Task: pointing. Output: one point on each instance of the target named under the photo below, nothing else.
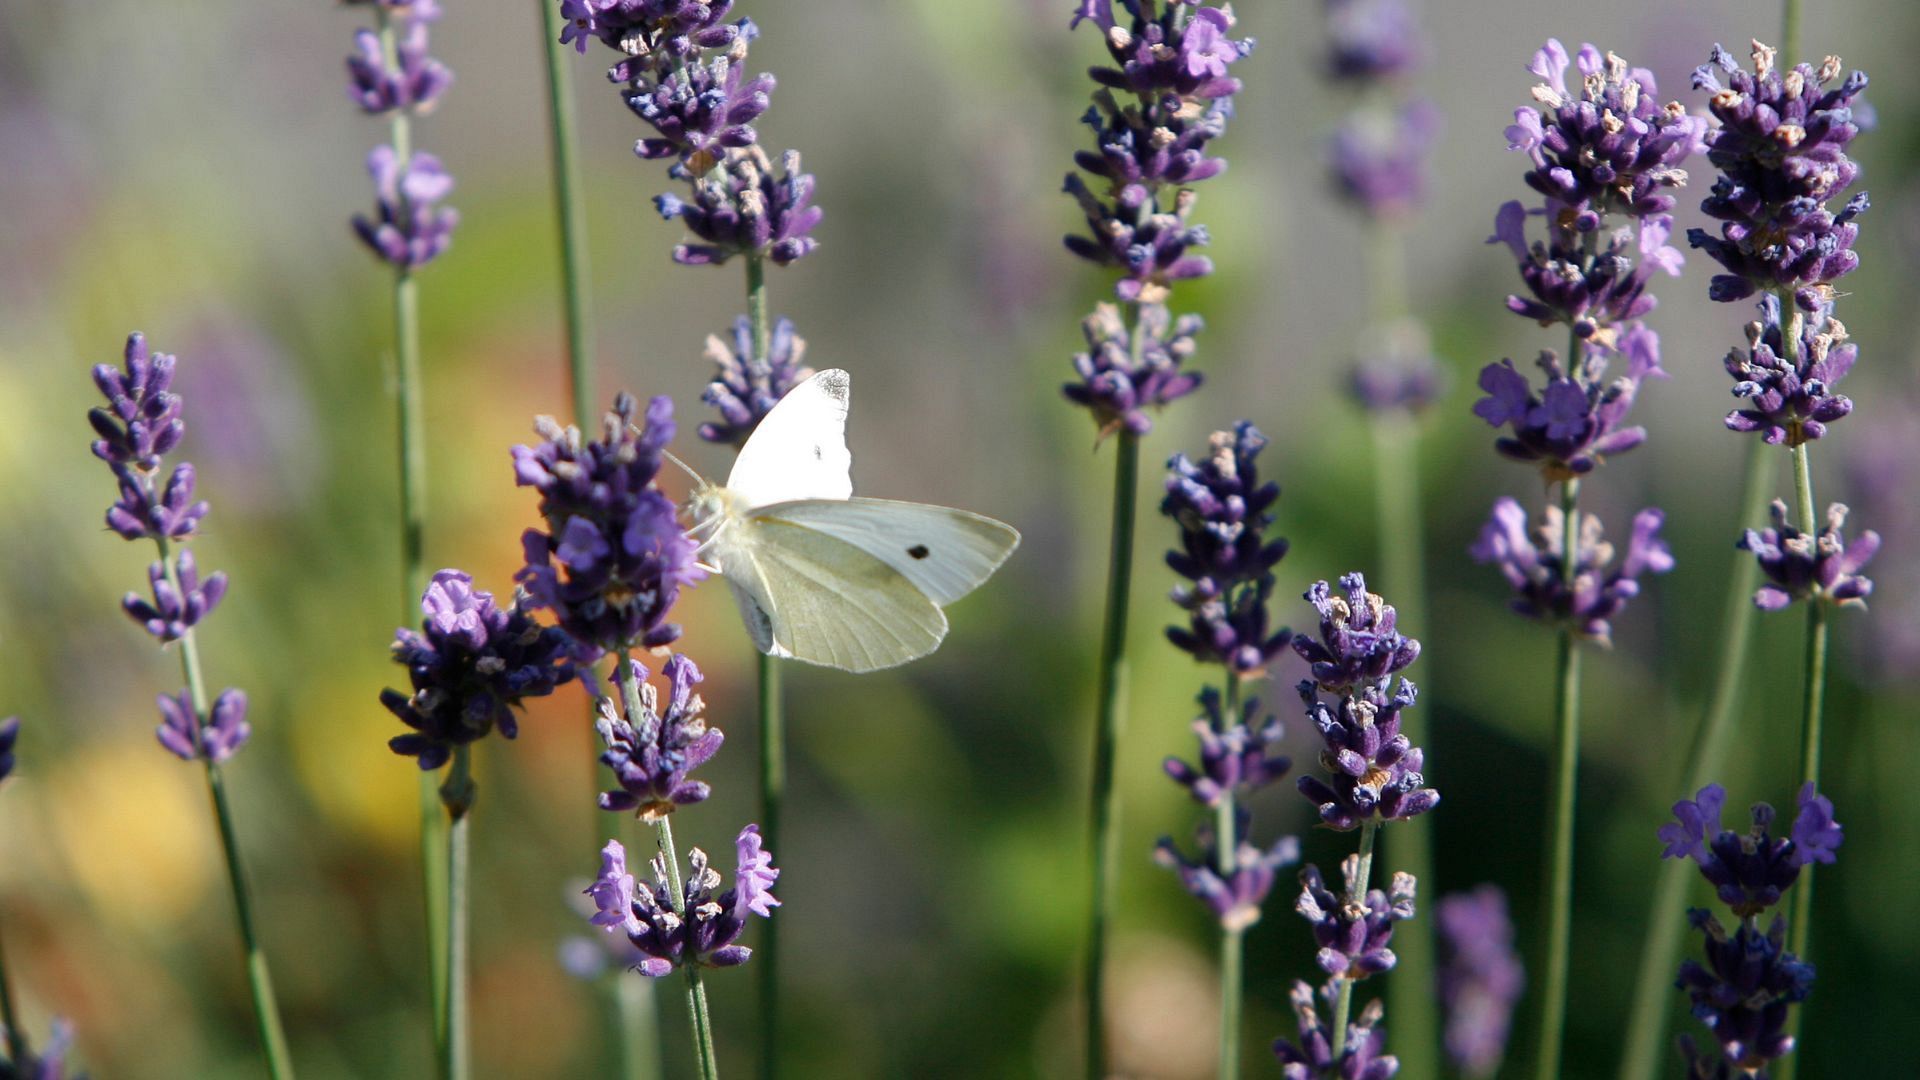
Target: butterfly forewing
(799, 450)
(945, 553)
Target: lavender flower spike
(174, 610)
(1790, 401)
(744, 206)
(1223, 510)
(1537, 571)
(1312, 1058)
(652, 754)
(1371, 768)
(141, 423)
(1751, 871)
(9, 733)
(1574, 423)
(408, 228)
(226, 729)
(1802, 567)
(706, 934)
(1357, 643)
(1353, 940)
(746, 387)
(1236, 758)
(1481, 979)
(1234, 901)
(1126, 371)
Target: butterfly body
(820, 575)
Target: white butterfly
(824, 577)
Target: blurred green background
(188, 170)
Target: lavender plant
(1372, 775)
(1223, 512)
(140, 424)
(1605, 157)
(683, 72)
(391, 73)
(1376, 160)
(1745, 990)
(1481, 978)
(1166, 95)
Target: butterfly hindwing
(945, 553)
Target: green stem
(1812, 703)
(696, 990)
(1232, 938)
(635, 1028)
(16, 1038)
(266, 1009)
(1565, 769)
(567, 199)
(773, 793)
(757, 307)
(1356, 899)
(1666, 918)
(1789, 32)
(1104, 836)
(457, 795)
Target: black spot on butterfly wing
(819, 452)
(919, 551)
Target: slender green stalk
(413, 574)
(1356, 898)
(567, 197)
(1553, 995)
(1104, 836)
(636, 1027)
(1666, 918)
(266, 1009)
(1402, 553)
(696, 990)
(457, 795)
(1790, 32)
(16, 1038)
(1232, 938)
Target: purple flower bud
(1370, 41)
(1480, 978)
(1357, 642)
(652, 754)
(1790, 401)
(746, 387)
(141, 421)
(1372, 770)
(414, 83)
(409, 229)
(1801, 567)
(615, 593)
(1118, 388)
(664, 30)
(222, 735)
(741, 206)
(1536, 570)
(1223, 511)
(1743, 993)
(1750, 872)
(1236, 899)
(704, 930)
(175, 609)
(700, 111)
(1312, 1058)
(1236, 758)
(470, 666)
(1378, 160)
(1353, 939)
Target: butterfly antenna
(684, 467)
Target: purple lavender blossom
(409, 229)
(1536, 570)
(1750, 872)
(1236, 757)
(1312, 1058)
(1158, 53)
(139, 425)
(1480, 978)
(414, 82)
(701, 111)
(1790, 401)
(746, 387)
(1388, 385)
(1742, 994)
(613, 557)
(1372, 769)
(1119, 389)
(222, 735)
(177, 605)
(742, 206)
(1353, 939)
(1134, 156)
(704, 929)
(1222, 509)
(1378, 159)
(9, 734)
(1358, 642)
(1234, 900)
(1607, 146)
(1371, 41)
(470, 667)
(1150, 246)
(1801, 567)
(1780, 146)
(1592, 285)
(667, 29)
(1573, 423)
(652, 754)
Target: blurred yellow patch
(136, 829)
(339, 741)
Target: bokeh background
(189, 169)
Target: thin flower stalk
(570, 206)
(1110, 709)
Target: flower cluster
(390, 72)
(1396, 374)
(1166, 96)
(1377, 155)
(1223, 511)
(1480, 978)
(1312, 1057)
(651, 754)
(9, 734)
(1127, 370)
(1818, 567)
(1234, 896)
(1237, 756)
(1790, 392)
(140, 424)
(470, 666)
(743, 206)
(1370, 42)
(1743, 991)
(222, 735)
(1372, 769)
(1781, 148)
(672, 29)
(613, 557)
(1353, 938)
(1537, 570)
(1574, 422)
(747, 386)
(696, 927)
